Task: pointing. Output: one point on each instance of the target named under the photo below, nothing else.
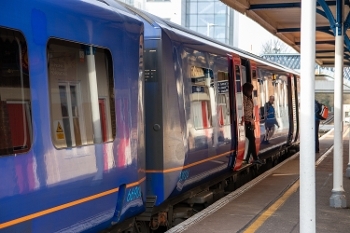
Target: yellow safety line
(272, 209)
(64, 206)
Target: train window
(238, 79)
(223, 109)
(254, 76)
(263, 92)
(200, 97)
(81, 94)
(15, 101)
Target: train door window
(223, 110)
(262, 89)
(243, 74)
(282, 96)
(200, 97)
(15, 101)
(278, 100)
(239, 94)
(81, 94)
(238, 79)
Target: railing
(293, 61)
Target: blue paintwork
(189, 167)
(35, 181)
(172, 72)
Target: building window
(81, 94)
(15, 102)
(211, 18)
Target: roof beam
(287, 5)
(346, 57)
(325, 51)
(334, 22)
(329, 42)
(346, 63)
(297, 29)
(275, 5)
(324, 57)
(347, 22)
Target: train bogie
(113, 118)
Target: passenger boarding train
(112, 119)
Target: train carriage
(112, 118)
(194, 102)
(71, 125)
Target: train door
(291, 107)
(257, 101)
(296, 101)
(233, 110)
(237, 105)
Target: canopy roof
(282, 18)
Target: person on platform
(249, 123)
(270, 119)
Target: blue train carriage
(194, 108)
(72, 150)
(186, 143)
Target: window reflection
(15, 100)
(77, 114)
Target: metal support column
(346, 73)
(338, 198)
(307, 215)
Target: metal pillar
(338, 198)
(307, 215)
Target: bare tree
(275, 46)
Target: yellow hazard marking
(272, 209)
(59, 128)
(59, 132)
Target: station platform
(270, 202)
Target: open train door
(256, 99)
(236, 106)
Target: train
(113, 119)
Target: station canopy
(282, 19)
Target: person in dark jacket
(249, 122)
(270, 119)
